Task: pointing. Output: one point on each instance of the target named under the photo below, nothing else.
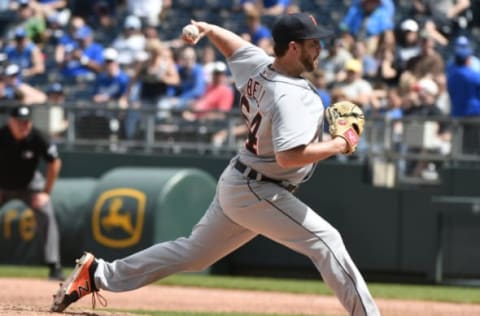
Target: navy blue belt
(254, 175)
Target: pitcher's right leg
(212, 238)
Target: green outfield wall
(389, 232)
(124, 210)
(134, 207)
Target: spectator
(425, 103)
(22, 147)
(111, 87)
(393, 108)
(332, 62)
(257, 33)
(56, 99)
(25, 54)
(463, 47)
(443, 18)
(387, 71)
(337, 95)
(463, 84)
(104, 14)
(208, 61)
(368, 20)
(217, 100)
(130, 42)
(148, 10)
(155, 76)
(112, 82)
(361, 92)
(56, 94)
(428, 62)
(15, 89)
(425, 107)
(83, 58)
(55, 29)
(151, 33)
(369, 64)
(67, 40)
(33, 23)
(356, 89)
(387, 5)
(153, 80)
(192, 82)
(408, 44)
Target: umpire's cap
(298, 26)
(21, 113)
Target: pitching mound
(28, 297)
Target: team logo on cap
(23, 111)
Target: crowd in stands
(394, 58)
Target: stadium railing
(410, 147)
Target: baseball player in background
(22, 146)
(284, 116)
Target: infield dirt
(28, 297)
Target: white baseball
(190, 31)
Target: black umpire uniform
(21, 148)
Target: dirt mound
(28, 297)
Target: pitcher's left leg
(283, 218)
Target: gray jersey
(281, 113)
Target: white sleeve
(247, 62)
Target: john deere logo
(118, 217)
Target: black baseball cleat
(78, 284)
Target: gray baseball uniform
(253, 195)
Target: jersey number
(252, 140)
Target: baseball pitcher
(284, 116)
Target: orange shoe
(79, 283)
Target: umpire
(21, 148)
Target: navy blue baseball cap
(298, 26)
(20, 32)
(21, 113)
(55, 87)
(462, 48)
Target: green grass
(248, 283)
(7, 271)
(454, 294)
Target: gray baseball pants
(241, 210)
